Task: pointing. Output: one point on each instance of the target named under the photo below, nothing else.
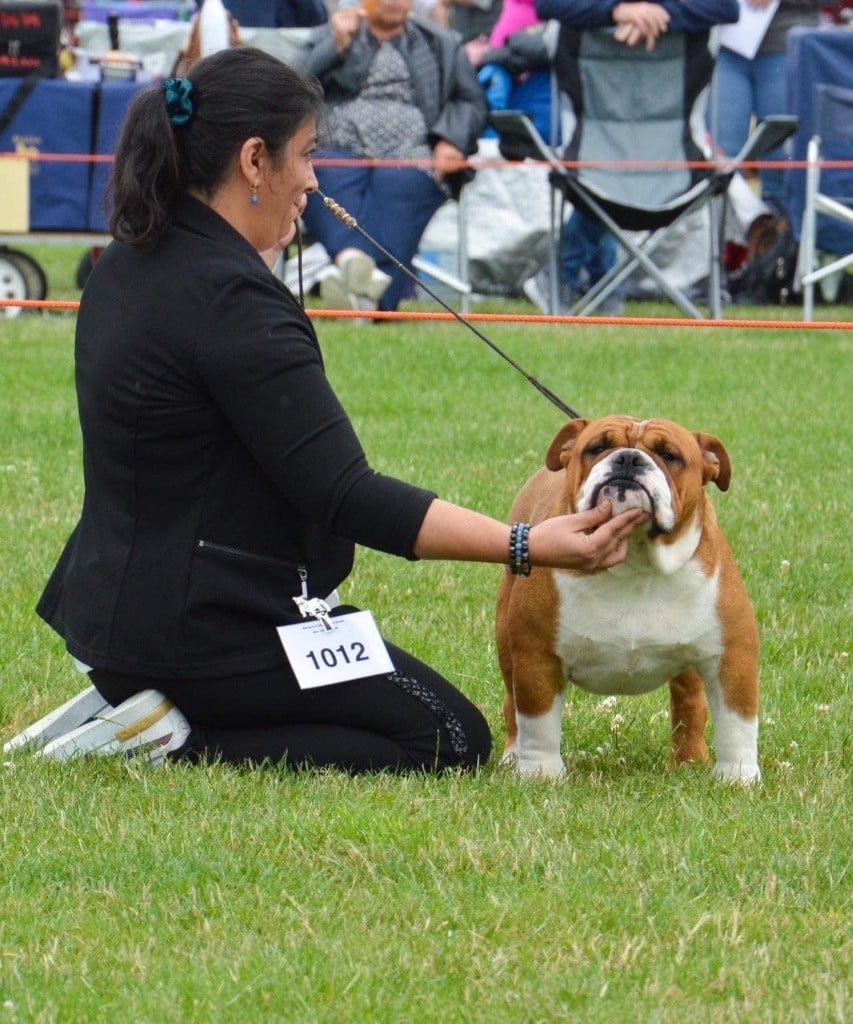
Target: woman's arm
(586, 540)
(465, 114)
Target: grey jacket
(444, 82)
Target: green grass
(632, 891)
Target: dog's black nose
(630, 461)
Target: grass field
(631, 891)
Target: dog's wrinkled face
(655, 465)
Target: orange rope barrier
(72, 158)
(521, 318)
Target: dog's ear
(716, 464)
(561, 446)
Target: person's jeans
(392, 204)
(745, 87)
(586, 245)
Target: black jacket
(218, 463)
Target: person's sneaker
(377, 285)
(356, 267)
(538, 290)
(360, 274)
(333, 290)
(147, 725)
(61, 720)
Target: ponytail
(146, 180)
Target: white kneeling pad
(147, 725)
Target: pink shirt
(515, 15)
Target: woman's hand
(446, 159)
(345, 22)
(639, 22)
(588, 541)
(269, 256)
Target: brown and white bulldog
(675, 611)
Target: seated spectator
(588, 249)
(396, 88)
(514, 64)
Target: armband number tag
(354, 649)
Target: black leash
(350, 221)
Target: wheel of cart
(12, 286)
(21, 277)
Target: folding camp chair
(640, 107)
(833, 198)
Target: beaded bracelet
(519, 549)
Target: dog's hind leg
(688, 715)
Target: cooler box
(57, 117)
(29, 37)
(113, 101)
(139, 10)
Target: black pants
(409, 720)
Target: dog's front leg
(538, 689)
(733, 698)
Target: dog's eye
(594, 450)
(673, 458)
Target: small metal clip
(315, 607)
(312, 607)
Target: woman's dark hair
(236, 94)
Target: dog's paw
(737, 773)
(540, 767)
(509, 758)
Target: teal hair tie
(179, 106)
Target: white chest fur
(630, 629)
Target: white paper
(354, 649)
(745, 35)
